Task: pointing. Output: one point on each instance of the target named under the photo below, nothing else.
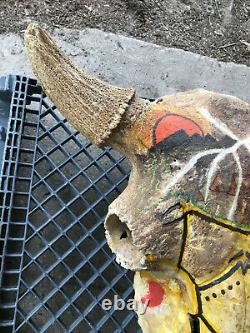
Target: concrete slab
(151, 69)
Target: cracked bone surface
(182, 223)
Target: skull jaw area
(120, 240)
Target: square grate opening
(56, 267)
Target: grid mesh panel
(67, 267)
(15, 188)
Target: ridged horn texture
(92, 106)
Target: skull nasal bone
(117, 228)
(120, 240)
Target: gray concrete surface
(153, 70)
(214, 28)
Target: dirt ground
(216, 28)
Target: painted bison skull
(183, 221)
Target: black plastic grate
(67, 267)
(15, 189)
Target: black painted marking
(223, 277)
(245, 267)
(197, 290)
(168, 115)
(171, 209)
(211, 329)
(213, 220)
(162, 216)
(184, 241)
(194, 323)
(237, 255)
(194, 319)
(230, 287)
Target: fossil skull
(183, 221)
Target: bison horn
(92, 106)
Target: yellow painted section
(225, 312)
(203, 328)
(179, 292)
(186, 207)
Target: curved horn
(92, 106)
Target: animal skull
(182, 223)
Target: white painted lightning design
(221, 153)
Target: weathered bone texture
(183, 221)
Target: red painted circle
(154, 296)
(174, 123)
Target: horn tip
(32, 29)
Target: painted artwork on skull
(182, 224)
(207, 187)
